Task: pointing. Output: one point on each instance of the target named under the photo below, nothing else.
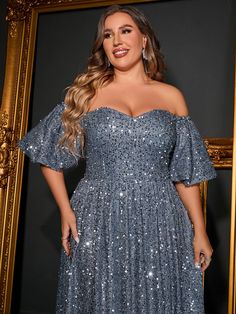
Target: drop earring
(144, 54)
(108, 63)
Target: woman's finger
(66, 245)
(75, 232)
(197, 258)
(65, 240)
(206, 260)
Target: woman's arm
(56, 182)
(190, 196)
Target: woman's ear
(144, 41)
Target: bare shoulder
(174, 97)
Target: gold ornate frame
(22, 17)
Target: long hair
(100, 73)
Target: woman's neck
(134, 76)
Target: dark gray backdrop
(197, 40)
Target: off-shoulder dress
(135, 253)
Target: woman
(133, 232)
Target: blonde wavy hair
(100, 73)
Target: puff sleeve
(190, 162)
(40, 143)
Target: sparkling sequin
(135, 252)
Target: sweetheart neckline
(135, 117)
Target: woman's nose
(116, 39)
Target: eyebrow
(122, 26)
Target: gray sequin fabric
(135, 253)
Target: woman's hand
(202, 250)
(68, 227)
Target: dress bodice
(121, 146)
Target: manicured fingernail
(197, 265)
(77, 239)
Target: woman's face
(123, 42)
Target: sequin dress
(135, 253)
